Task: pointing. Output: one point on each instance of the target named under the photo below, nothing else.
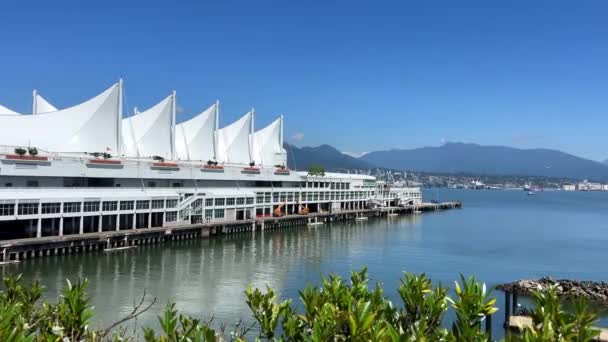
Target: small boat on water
(115, 249)
(361, 218)
(9, 262)
(531, 193)
(318, 223)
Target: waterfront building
(569, 187)
(589, 186)
(88, 169)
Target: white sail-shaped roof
(41, 105)
(4, 110)
(92, 126)
(195, 139)
(150, 133)
(268, 144)
(234, 143)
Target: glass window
(27, 209)
(51, 208)
(219, 201)
(249, 200)
(158, 204)
(230, 201)
(126, 205)
(240, 201)
(209, 202)
(267, 197)
(275, 197)
(31, 183)
(110, 206)
(71, 207)
(91, 206)
(259, 198)
(171, 203)
(219, 213)
(171, 216)
(143, 205)
(7, 209)
(151, 184)
(208, 213)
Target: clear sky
(359, 75)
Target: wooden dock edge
(518, 323)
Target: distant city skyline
(356, 75)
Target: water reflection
(208, 277)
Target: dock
(23, 249)
(516, 322)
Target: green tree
(316, 170)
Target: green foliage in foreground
(339, 310)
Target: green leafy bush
(338, 310)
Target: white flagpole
(34, 104)
(251, 133)
(119, 120)
(215, 129)
(173, 127)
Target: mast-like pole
(251, 132)
(34, 102)
(173, 109)
(281, 132)
(119, 120)
(216, 128)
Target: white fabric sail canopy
(195, 138)
(150, 133)
(268, 144)
(234, 141)
(4, 110)
(41, 105)
(91, 126)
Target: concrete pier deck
(518, 323)
(21, 249)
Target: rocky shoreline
(570, 289)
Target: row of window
(214, 213)
(220, 202)
(76, 207)
(328, 185)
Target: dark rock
(569, 289)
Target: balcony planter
(165, 166)
(212, 168)
(105, 163)
(26, 159)
(281, 172)
(30, 158)
(18, 157)
(253, 170)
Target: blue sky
(359, 75)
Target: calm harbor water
(499, 236)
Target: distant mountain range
(301, 158)
(456, 158)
